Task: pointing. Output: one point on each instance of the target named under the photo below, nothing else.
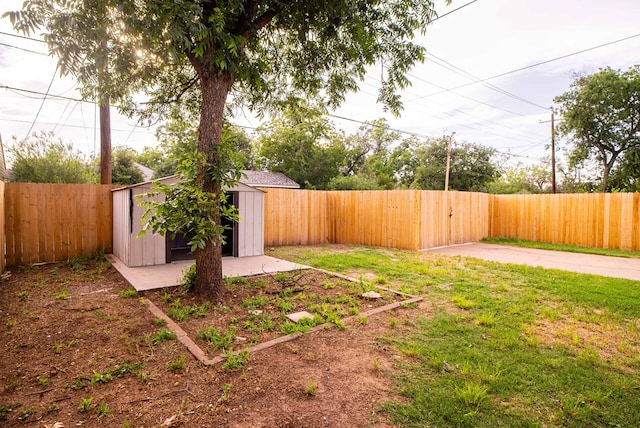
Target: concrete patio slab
(169, 275)
(617, 267)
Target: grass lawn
(561, 247)
(503, 345)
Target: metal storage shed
(246, 238)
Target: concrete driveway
(617, 267)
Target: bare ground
(76, 352)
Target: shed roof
(268, 179)
(249, 178)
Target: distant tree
(303, 145)
(602, 118)
(150, 157)
(404, 161)
(352, 182)
(124, 170)
(522, 179)
(368, 153)
(41, 158)
(178, 138)
(472, 167)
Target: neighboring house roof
(268, 179)
(147, 173)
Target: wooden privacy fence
(408, 219)
(54, 222)
(605, 220)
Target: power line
(42, 103)
(23, 49)
(22, 37)
(470, 76)
(138, 130)
(454, 10)
(11, 88)
(541, 63)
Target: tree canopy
(41, 158)
(602, 118)
(124, 168)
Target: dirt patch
(612, 343)
(76, 350)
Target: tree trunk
(215, 87)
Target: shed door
(178, 249)
(230, 246)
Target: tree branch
(262, 20)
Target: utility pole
(446, 177)
(553, 155)
(553, 151)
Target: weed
(126, 423)
(312, 388)
(99, 313)
(78, 383)
(225, 392)
(53, 271)
(52, 408)
(235, 361)
(124, 368)
(99, 377)
(362, 320)
(57, 348)
(304, 325)
(129, 292)
(200, 311)
(167, 298)
(26, 413)
(5, 410)
(146, 377)
(11, 386)
(177, 364)
(380, 280)
(103, 410)
(284, 305)
(222, 309)
(463, 302)
(188, 278)
(328, 285)
(77, 264)
(159, 321)
(62, 294)
(22, 295)
(376, 364)
(259, 323)
(85, 404)
(161, 335)
(180, 314)
(393, 322)
(486, 319)
(42, 381)
(472, 393)
(259, 301)
(216, 339)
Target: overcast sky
(453, 91)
